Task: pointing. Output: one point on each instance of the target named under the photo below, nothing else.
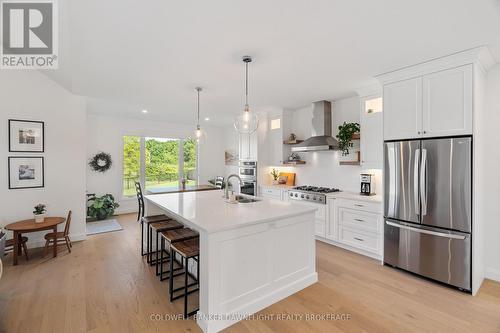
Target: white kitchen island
(251, 254)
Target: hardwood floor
(105, 286)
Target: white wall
(105, 133)
(322, 168)
(31, 95)
(490, 202)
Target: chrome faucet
(226, 189)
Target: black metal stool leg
(162, 246)
(171, 275)
(186, 289)
(142, 237)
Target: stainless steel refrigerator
(428, 208)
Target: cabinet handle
(418, 132)
(424, 132)
(359, 220)
(359, 239)
(358, 205)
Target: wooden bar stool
(148, 220)
(171, 237)
(159, 227)
(189, 249)
(145, 220)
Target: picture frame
(26, 136)
(26, 172)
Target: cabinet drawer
(269, 191)
(374, 207)
(359, 219)
(363, 240)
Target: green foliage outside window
(162, 162)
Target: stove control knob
(307, 197)
(296, 195)
(314, 198)
(291, 194)
(302, 196)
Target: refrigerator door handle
(425, 231)
(423, 182)
(415, 182)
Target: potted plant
(101, 208)
(346, 132)
(39, 212)
(275, 176)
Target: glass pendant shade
(246, 123)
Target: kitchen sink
(245, 199)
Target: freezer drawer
(434, 253)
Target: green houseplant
(101, 208)
(346, 131)
(39, 212)
(275, 176)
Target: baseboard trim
(212, 326)
(492, 274)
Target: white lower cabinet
(356, 226)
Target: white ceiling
(128, 55)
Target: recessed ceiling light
(144, 111)
(207, 119)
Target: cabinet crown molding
(480, 56)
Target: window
(373, 105)
(276, 123)
(158, 162)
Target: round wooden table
(26, 226)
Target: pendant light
(198, 133)
(247, 122)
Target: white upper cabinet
(248, 146)
(371, 132)
(434, 98)
(403, 109)
(447, 102)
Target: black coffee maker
(366, 184)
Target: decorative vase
(39, 218)
(275, 182)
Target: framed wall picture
(26, 136)
(26, 172)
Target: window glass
(131, 163)
(190, 161)
(162, 162)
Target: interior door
(445, 182)
(401, 168)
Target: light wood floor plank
(104, 285)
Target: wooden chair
(9, 246)
(62, 237)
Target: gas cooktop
(314, 194)
(316, 189)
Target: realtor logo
(29, 34)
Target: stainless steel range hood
(321, 138)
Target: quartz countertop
(355, 196)
(209, 212)
(281, 187)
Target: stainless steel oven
(248, 174)
(248, 169)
